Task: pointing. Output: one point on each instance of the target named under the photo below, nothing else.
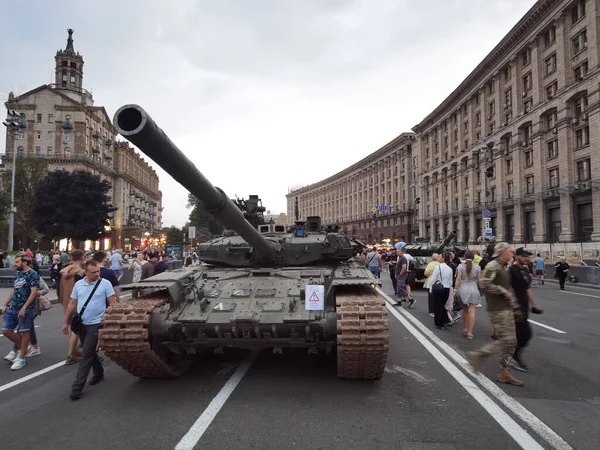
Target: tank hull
(175, 317)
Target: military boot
(505, 376)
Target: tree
(174, 234)
(206, 225)
(72, 205)
(28, 173)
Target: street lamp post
(15, 125)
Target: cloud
(263, 95)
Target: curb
(568, 283)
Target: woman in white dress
(467, 276)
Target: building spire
(70, 41)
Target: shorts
(539, 272)
(410, 279)
(118, 272)
(12, 321)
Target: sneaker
(518, 365)
(11, 356)
(33, 352)
(411, 302)
(479, 305)
(19, 363)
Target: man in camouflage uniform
(502, 308)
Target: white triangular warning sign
(314, 297)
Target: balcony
(67, 125)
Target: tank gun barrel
(135, 125)
(446, 241)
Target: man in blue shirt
(91, 318)
(540, 267)
(19, 309)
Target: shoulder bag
(438, 286)
(76, 322)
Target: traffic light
(489, 172)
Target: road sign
(383, 207)
(374, 209)
(488, 233)
(487, 213)
(192, 232)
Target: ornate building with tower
(64, 127)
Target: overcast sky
(261, 94)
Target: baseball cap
(500, 247)
(522, 251)
(400, 245)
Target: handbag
(76, 322)
(44, 303)
(438, 287)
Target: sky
(261, 95)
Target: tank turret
(446, 242)
(135, 125)
(422, 252)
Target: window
(582, 137)
(529, 187)
(492, 108)
(49, 150)
(510, 190)
(550, 64)
(20, 152)
(492, 128)
(478, 136)
(68, 137)
(506, 73)
(579, 42)
(526, 57)
(50, 118)
(554, 224)
(528, 105)
(584, 220)
(38, 151)
(584, 172)
(509, 166)
(39, 135)
(493, 194)
(38, 118)
(553, 177)
(549, 36)
(466, 144)
(581, 71)
(491, 87)
(67, 152)
(527, 82)
(551, 90)
(507, 117)
(50, 134)
(551, 120)
(478, 119)
(529, 158)
(581, 104)
(578, 12)
(508, 98)
(553, 149)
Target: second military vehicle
(261, 286)
(422, 253)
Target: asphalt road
(426, 400)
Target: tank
(260, 286)
(422, 251)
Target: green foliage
(28, 173)
(174, 234)
(206, 225)
(72, 205)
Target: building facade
(64, 127)
(520, 137)
(373, 199)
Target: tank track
(363, 334)
(124, 338)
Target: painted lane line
(514, 406)
(583, 295)
(514, 430)
(194, 434)
(556, 330)
(31, 376)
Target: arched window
(67, 152)
(68, 123)
(20, 152)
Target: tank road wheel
(124, 338)
(362, 334)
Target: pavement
(428, 399)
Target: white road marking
(583, 295)
(519, 434)
(556, 330)
(31, 376)
(194, 434)
(514, 406)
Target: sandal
(469, 336)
